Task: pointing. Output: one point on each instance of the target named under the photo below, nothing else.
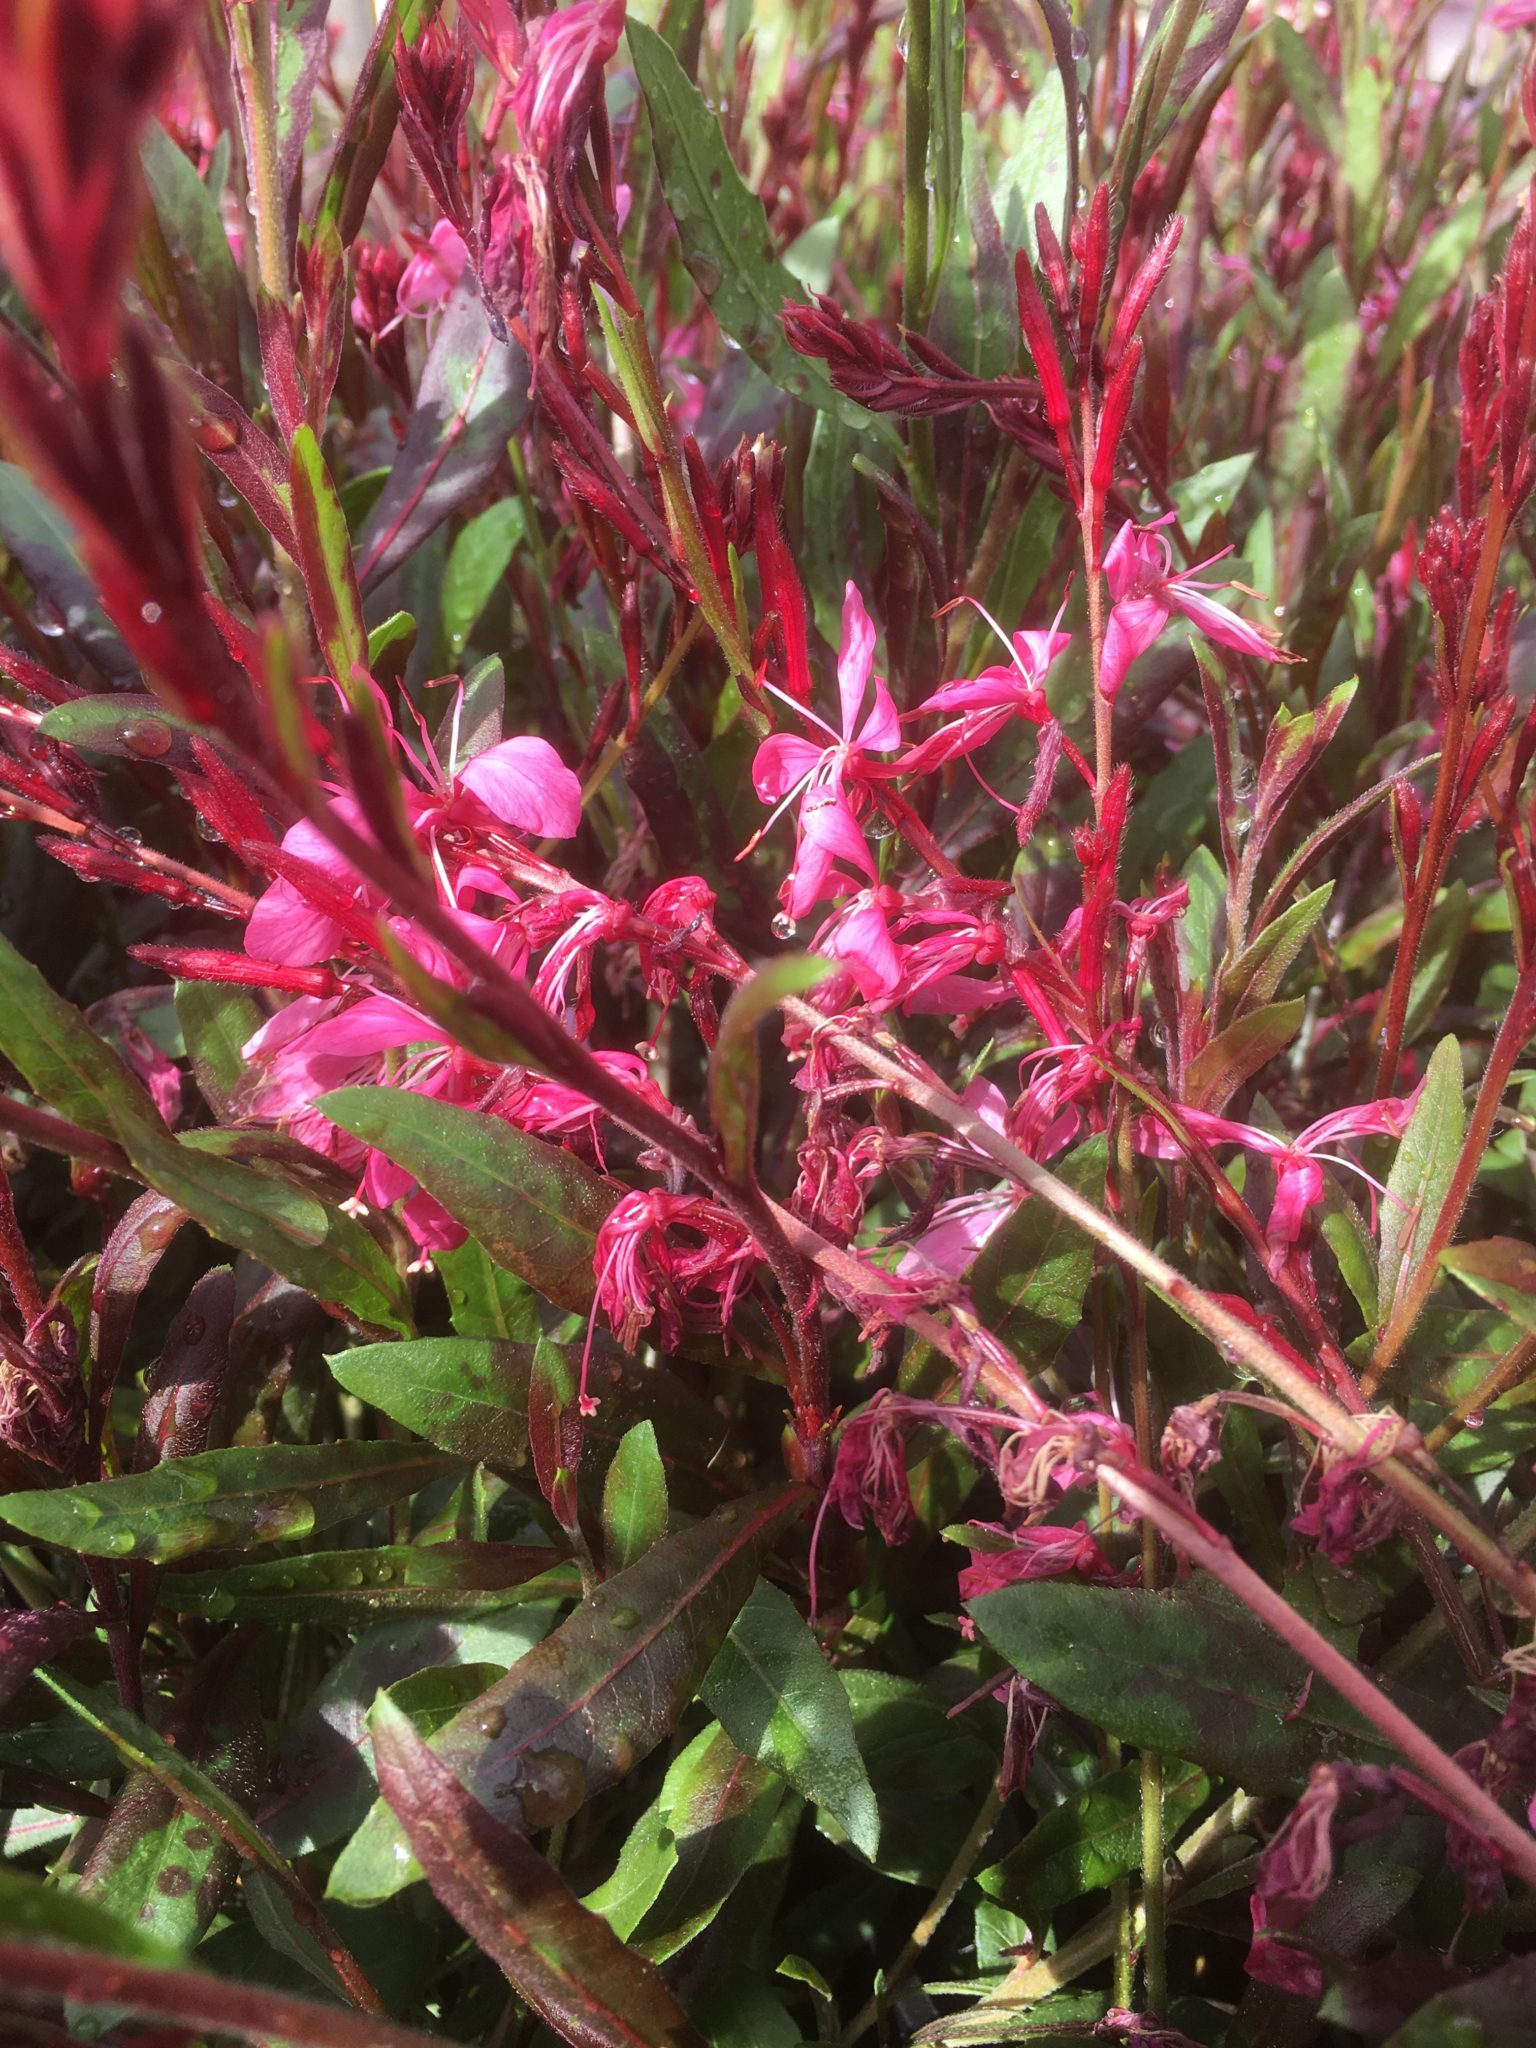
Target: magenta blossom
(433, 271)
(820, 772)
(1146, 594)
(1046, 1550)
(1298, 1176)
(986, 702)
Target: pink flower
(647, 1273)
(1298, 1177)
(558, 85)
(1146, 594)
(1046, 1551)
(819, 772)
(987, 701)
(302, 917)
(957, 1233)
(433, 271)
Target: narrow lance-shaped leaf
(634, 1498)
(564, 1961)
(472, 397)
(722, 226)
(231, 1499)
(352, 1588)
(735, 1066)
(781, 1703)
(591, 1700)
(535, 1208)
(325, 556)
(1421, 1175)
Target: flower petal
(524, 782)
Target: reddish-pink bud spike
(1053, 264)
(207, 963)
(1091, 277)
(1041, 343)
(1112, 418)
(1407, 828)
(1150, 273)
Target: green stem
(914, 198)
(1154, 1890)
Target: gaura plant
(768, 965)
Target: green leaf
(483, 1298)
(216, 1023)
(634, 1498)
(735, 1065)
(563, 1960)
(468, 1395)
(350, 1588)
(1210, 490)
(229, 1499)
(173, 1770)
(723, 228)
(160, 1867)
(325, 556)
(1502, 1270)
(646, 1861)
(717, 1807)
(200, 291)
(33, 1911)
(472, 397)
(579, 1711)
(534, 1207)
(370, 123)
(782, 1704)
(1259, 969)
(1441, 266)
(479, 559)
(1031, 1275)
(1086, 1842)
(1235, 1055)
(431, 1668)
(1310, 91)
(1183, 1673)
(1035, 173)
(130, 725)
(1494, 2011)
(314, 1245)
(44, 543)
(1421, 1175)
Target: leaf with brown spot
(563, 1960)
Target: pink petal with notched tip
(524, 782)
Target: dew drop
(355, 1576)
(149, 738)
(130, 835)
(706, 274)
(1475, 1418)
(1077, 43)
(150, 613)
(625, 1617)
(120, 1542)
(49, 621)
(492, 1722)
(880, 826)
(783, 926)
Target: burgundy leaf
(563, 1960)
